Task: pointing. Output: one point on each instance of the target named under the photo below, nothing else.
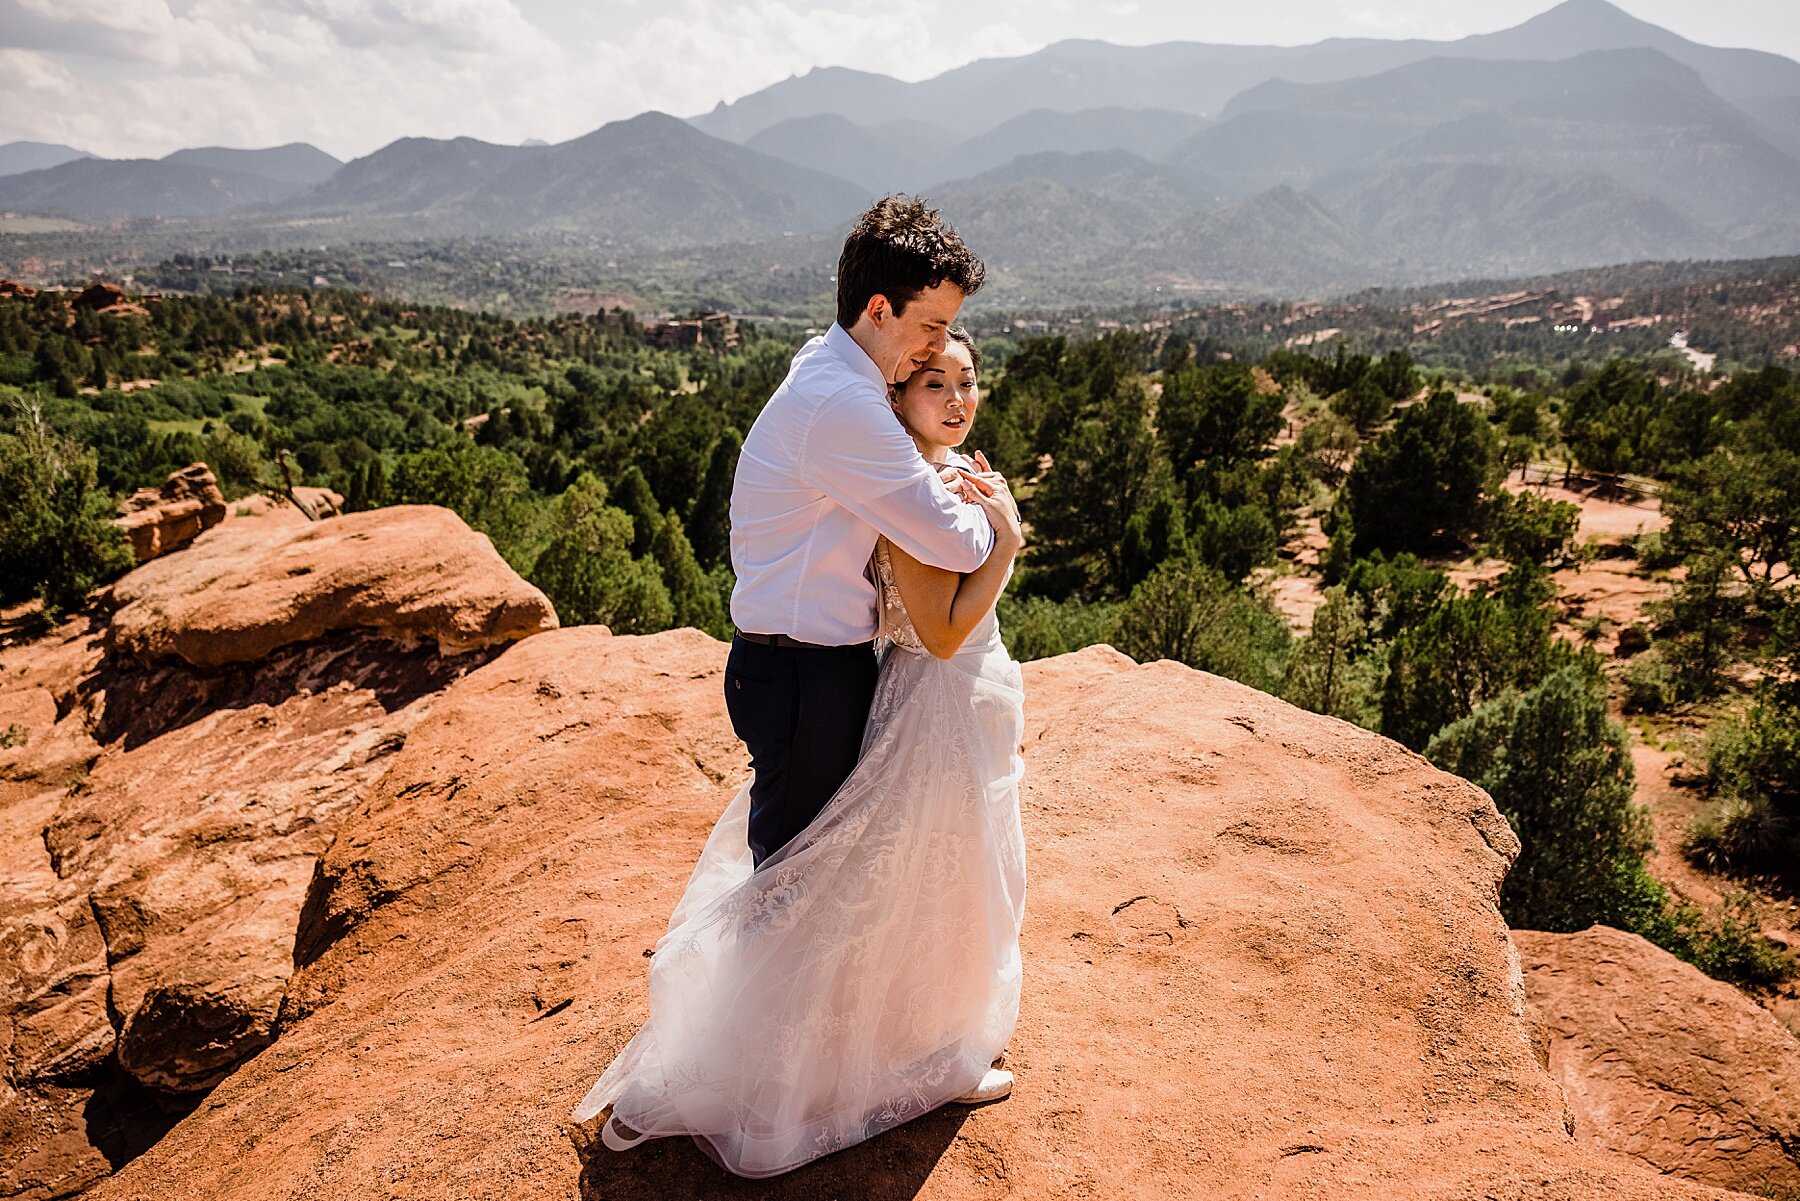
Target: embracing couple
(845, 956)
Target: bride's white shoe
(995, 1084)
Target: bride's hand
(990, 491)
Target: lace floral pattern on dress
(896, 626)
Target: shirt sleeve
(858, 455)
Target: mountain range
(1088, 170)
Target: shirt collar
(844, 346)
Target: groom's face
(905, 342)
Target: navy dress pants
(801, 711)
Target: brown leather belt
(784, 640)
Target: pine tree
(1560, 772)
(709, 521)
(588, 571)
(692, 594)
(632, 494)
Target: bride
(868, 971)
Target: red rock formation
(1663, 1063)
(100, 296)
(12, 287)
(161, 825)
(1262, 949)
(159, 520)
(408, 572)
(318, 502)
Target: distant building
(717, 330)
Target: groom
(825, 468)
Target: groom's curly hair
(897, 249)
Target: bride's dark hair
(957, 333)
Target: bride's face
(937, 403)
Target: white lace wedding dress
(868, 972)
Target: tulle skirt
(868, 971)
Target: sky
(141, 78)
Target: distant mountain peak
(1593, 15)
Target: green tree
(1233, 540)
(1421, 483)
(1703, 624)
(1608, 419)
(57, 537)
(1336, 669)
(692, 594)
(1526, 527)
(486, 487)
(587, 569)
(1104, 472)
(1152, 535)
(631, 492)
(1397, 592)
(1463, 653)
(1215, 415)
(1364, 404)
(1189, 612)
(709, 521)
(1560, 771)
(1745, 506)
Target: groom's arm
(860, 457)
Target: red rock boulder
(159, 520)
(1663, 1063)
(409, 573)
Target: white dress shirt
(825, 468)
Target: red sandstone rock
(160, 828)
(100, 296)
(408, 572)
(318, 502)
(159, 520)
(1262, 950)
(1663, 1063)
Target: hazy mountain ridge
(19, 157)
(651, 180)
(1578, 138)
(201, 182)
(1200, 79)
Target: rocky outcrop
(317, 502)
(1263, 959)
(159, 520)
(109, 299)
(1663, 1063)
(163, 819)
(410, 573)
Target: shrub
(1037, 628)
(1523, 526)
(1654, 550)
(1740, 833)
(1728, 946)
(1334, 669)
(1560, 771)
(1650, 684)
(57, 537)
(1191, 613)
